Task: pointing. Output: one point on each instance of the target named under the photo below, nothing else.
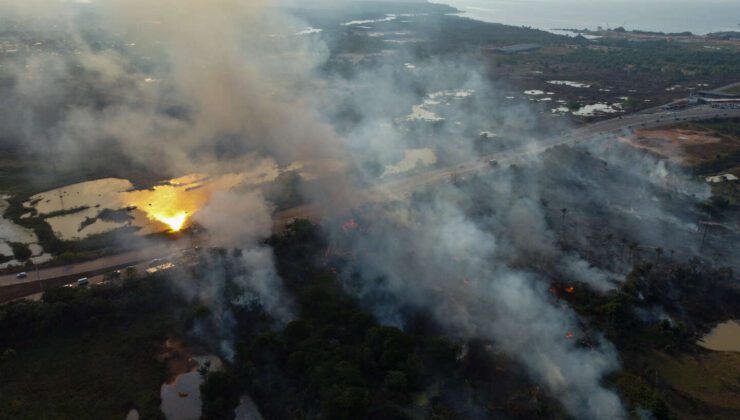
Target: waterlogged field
(596, 109)
(181, 397)
(92, 208)
(103, 205)
(724, 337)
(12, 234)
(434, 101)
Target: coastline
(692, 16)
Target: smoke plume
(178, 86)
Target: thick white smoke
(203, 83)
(446, 263)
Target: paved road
(118, 260)
(398, 188)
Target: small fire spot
(349, 225)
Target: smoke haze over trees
(209, 86)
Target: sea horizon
(696, 16)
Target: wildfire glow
(175, 222)
(174, 203)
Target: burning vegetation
(465, 262)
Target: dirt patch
(682, 146)
(178, 358)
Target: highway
(401, 187)
(12, 288)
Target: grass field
(734, 89)
(712, 378)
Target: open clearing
(712, 378)
(684, 146)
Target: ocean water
(697, 16)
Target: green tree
(220, 396)
(21, 252)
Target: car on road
(83, 282)
(21, 275)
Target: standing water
(697, 16)
(181, 398)
(724, 337)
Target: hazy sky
(699, 16)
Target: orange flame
(174, 203)
(175, 222)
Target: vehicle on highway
(493, 163)
(83, 282)
(21, 275)
(166, 265)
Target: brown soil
(178, 358)
(680, 145)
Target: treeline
(694, 294)
(726, 126)
(336, 361)
(662, 306)
(87, 353)
(660, 56)
(721, 162)
(453, 34)
(66, 309)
